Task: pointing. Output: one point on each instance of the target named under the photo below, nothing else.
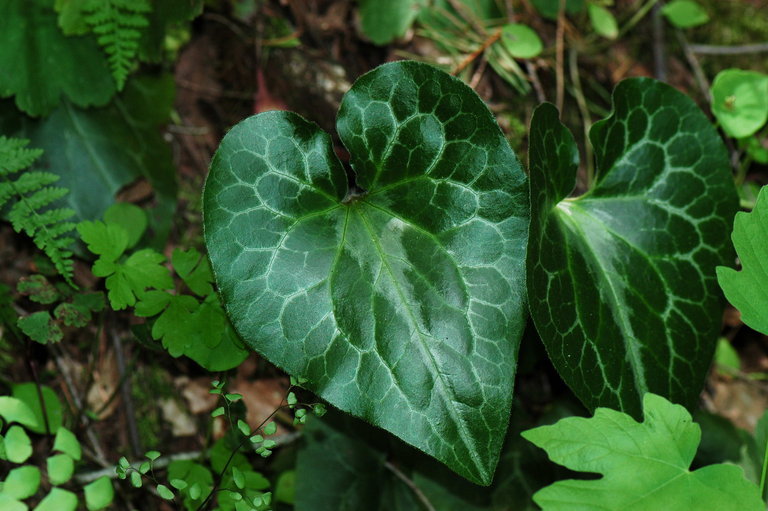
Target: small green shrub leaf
(644, 465)
(747, 289)
(621, 280)
(603, 21)
(38, 289)
(99, 494)
(521, 41)
(382, 298)
(60, 468)
(16, 410)
(740, 101)
(18, 446)
(130, 217)
(27, 392)
(685, 13)
(58, 500)
(40, 327)
(22, 482)
(383, 22)
(67, 443)
(164, 492)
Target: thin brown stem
(411, 485)
(559, 53)
(472, 56)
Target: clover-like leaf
(747, 289)
(644, 465)
(401, 300)
(621, 280)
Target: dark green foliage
(33, 210)
(621, 280)
(41, 66)
(382, 298)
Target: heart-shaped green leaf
(621, 281)
(402, 304)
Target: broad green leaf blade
(740, 101)
(99, 494)
(685, 13)
(41, 66)
(645, 466)
(22, 482)
(747, 289)
(383, 22)
(58, 500)
(67, 443)
(27, 392)
(60, 468)
(382, 299)
(521, 41)
(15, 410)
(621, 280)
(18, 446)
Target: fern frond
(48, 227)
(115, 22)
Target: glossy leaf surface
(383, 300)
(747, 289)
(645, 466)
(621, 280)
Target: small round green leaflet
(621, 280)
(403, 304)
(685, 13)
(740, 101)
(99, 494)
(521, 41)
(603, 21)
(21, 482)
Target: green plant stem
(763, 473)
(38, 388)
(411, 485)
(242, 443)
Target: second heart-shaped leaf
(402, 303)
(621, 280)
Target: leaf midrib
(446, 393)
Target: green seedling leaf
(644, 465)
(130, 217)
(42, 66)
(79, 312)
(270, 428)
(108, 241)
(238, 478)
(164, 492)
(136, 481)
(747, 289)
(40, 327)
(243, 427)
(603, 21)
(152, 455)
(740, 101)
(60, 468)
(194, 270)
(27, 392)
(99, 494)
(18, 447)
(58, 500)
(621, 279)
(16, 410)
(8, 503)
(685, 13)
(38, 289)
(726, 356)
(144, 467)
(521, 41)
(67, 443)
(380, 298)
(21, 483)
(384, 22)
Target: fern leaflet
(117, 24)
(30, 213)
